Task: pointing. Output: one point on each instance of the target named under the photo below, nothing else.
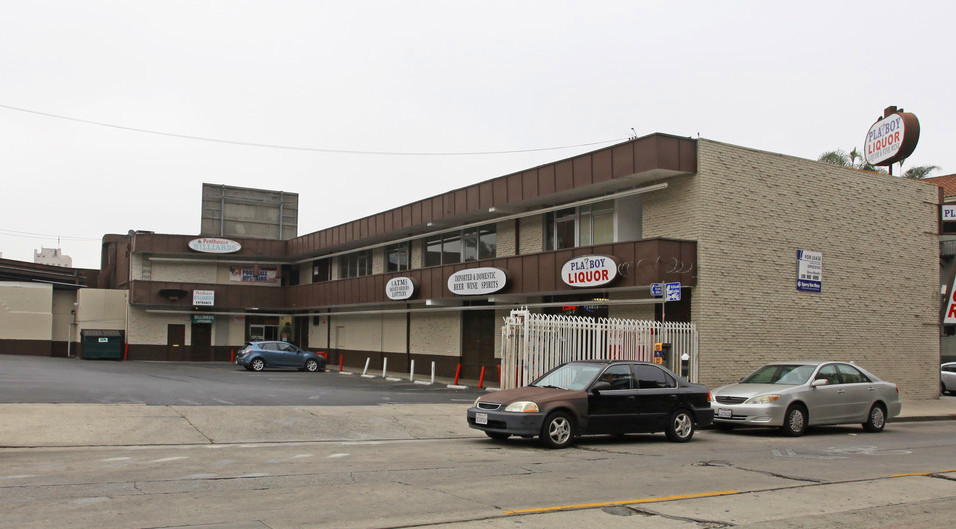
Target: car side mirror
(819, 382)
(598, 387)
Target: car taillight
(709, 398)
(897, 389)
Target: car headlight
(763, 399)
(522, 406)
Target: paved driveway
(32, 379)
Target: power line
(295, 148)
(31, 235)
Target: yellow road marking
(609, 503)
(922, 473)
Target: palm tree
(852, 159)
(919, 172)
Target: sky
(114, 113)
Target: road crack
(183, 416)
(717, 463)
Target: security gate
(532, 344)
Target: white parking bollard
(411, 372)
(365, 371)
(433, 372)
(384, 366)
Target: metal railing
(532, 344)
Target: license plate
(724, 413)
(481, 418)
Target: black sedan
(595, 397)
(256, 356)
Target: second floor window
(582, 226)
(470, 244)
(396, 257)
(355, 264)
(321, 270)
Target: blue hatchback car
(256, 356)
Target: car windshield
(780, 374)
(575, 377)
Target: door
(478, 344)
(827, 403)
(657, 395)
(613, 410)
(860, 392)
(201, 348)
(175, 340)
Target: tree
(919, 172)
(852, 159)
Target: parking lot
(32, 379)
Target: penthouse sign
(891, 139)
(589, 271)
(477, 281)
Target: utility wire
(309, 149)
(31, 235)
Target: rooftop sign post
(892, 138)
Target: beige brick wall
(750, 212)
(505, 234)
(101, 309)
(531, 234)
(149, 328)
(436, 333)
(186, 272)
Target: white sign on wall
(589, 271)
(204, 298)
(809, 271)
(949, 213)
(214, 245)
(950, 315)
(477, 281)
(399, 288)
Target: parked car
(256, 356)
(795, 395)
(595, 397)
(947, 378)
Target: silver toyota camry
(795, 395)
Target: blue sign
(657, 289)
(671, 291)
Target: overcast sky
(798, 78)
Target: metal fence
(532, 344)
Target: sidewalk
(49, 425)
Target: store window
(396, 256)
(582, 226)
(470, 244)
(355, 264)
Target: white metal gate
(531, 344)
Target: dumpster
(101, 344)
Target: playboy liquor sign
(892, 138)
(589, 271)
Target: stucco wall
(436, 333)
(378, 332)
(750, 212)
(26, 311)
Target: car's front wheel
(311, 365)
(257, 364)
(558, 430)
(795, 421)
(876, 420)
(680, 427)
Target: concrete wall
(436, 333)
(750, 212)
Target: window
(582, 226)
(321, 270)
(462, 246)
(852, 375)
(396, 257)
(355, 264)
(652, 377)
(619, 376)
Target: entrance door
(175, 342)
(201, 349)
(478, 344)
